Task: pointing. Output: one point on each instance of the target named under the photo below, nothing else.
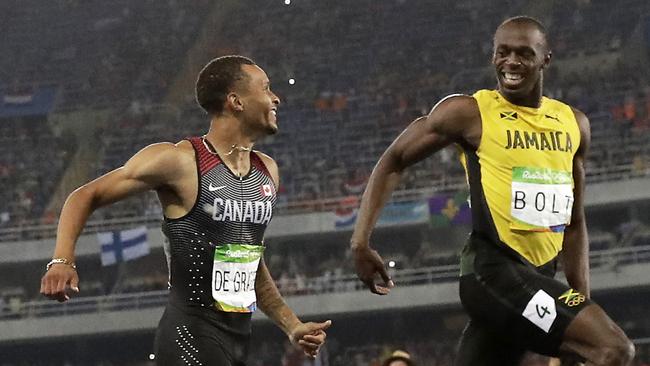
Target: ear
(234, 102)
(547, 60)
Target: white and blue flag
(122, 246)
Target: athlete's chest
(228, 198)
(514, 139)
(533, 134)
(513, 133)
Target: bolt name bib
(233, 277)
(542, 199)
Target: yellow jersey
(521, 175)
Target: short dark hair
(217, 79)
(528, 20)
(398, 355)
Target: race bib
(542, 199)
(233, 277)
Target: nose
(512, 59)
(275, 99)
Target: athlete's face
(520, 55)
(259, 103)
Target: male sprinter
(218, 197)
(524, 158)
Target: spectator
(399, 358)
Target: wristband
(60, 261)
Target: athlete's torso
(520, 175)
(215, 248)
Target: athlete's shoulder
(265, 157)
(457, 100)
(162, 163)
(170, 150)
(584, 127)
(486, 93)
(165, 154)
(557, 105)
(455, 115)
(456, 106)
(581, 117)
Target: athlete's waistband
(236, 324)
(485, 249)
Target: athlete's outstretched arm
(308, 336)
(575, 252)
(148, 169)
(454, 119)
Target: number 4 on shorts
(540, 310)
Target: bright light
(287, 2)
(391, 264)
(152, 356)
(292, 80)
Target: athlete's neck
(533, 99)
(232, 142)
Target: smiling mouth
(508, 76)
(511, 79)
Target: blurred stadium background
(86, 83)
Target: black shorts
(513, 306)
(187, 339)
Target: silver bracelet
(60, 261)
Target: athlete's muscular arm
(575, 252)
(308, 336)
(455, 119)
(271, 302)
(151, 168)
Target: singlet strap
(258, 163)
(206, 159)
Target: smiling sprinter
(524, 156)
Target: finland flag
(119, 246)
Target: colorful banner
(450, 209)
(401, 213)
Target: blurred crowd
(100, 54)
(32, 160)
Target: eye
(528, 54)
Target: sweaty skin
(521, 54)
(170, 170)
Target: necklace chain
(232, 148)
